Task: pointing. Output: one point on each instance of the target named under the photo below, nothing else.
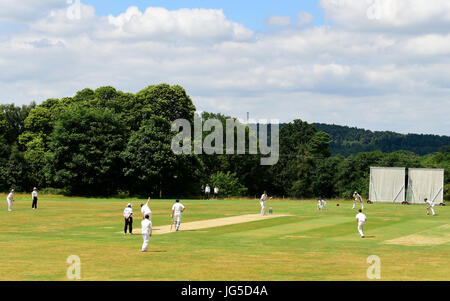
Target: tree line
(105, 142)
(347, 141)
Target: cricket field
(296, 243)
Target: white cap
(129, 205)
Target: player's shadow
(156, 251)
(370, 236)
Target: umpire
(128, 215)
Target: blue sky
(251, 13)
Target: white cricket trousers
(360, 228)
(146, 238)
(263, 207)
(177, 221)
(432, 210)
(10, 204)
(354, 203)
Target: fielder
(357, 198)
(262, 201)
(430, 206)
(324, 204)
(207, 191)
(361, 219)
(145, 209)
(10, 200)
(321, 204)
(177, 210)
(146, 232)
(34, 197)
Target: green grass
(307, 245)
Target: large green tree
(163, 100)
(301, 145)
(85, 150)
(152, 167)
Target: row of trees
(347, 141)
(106, 142)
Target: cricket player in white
(146, 232)
(145, 209)
(321, 204)
(34, 198)
(324, 204)
(10, 200)
(357, 198)
(430, 206)
(177, 210)
(262, 201)
(361, 220)
(207, 191)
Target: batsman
(177, 210)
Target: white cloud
(340, 73)
(279, 20)
(407, 16)
(429, 45)
(25, 10)
(71, 20)
(304, 18)
(185, 24)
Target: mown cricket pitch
(218, 222)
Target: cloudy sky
(375, 64)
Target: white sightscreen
(425, 183)
(387, 184)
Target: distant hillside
(346, 141)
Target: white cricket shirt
(177, 207)
(146, 225)
(361, 217)
(146, 210)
